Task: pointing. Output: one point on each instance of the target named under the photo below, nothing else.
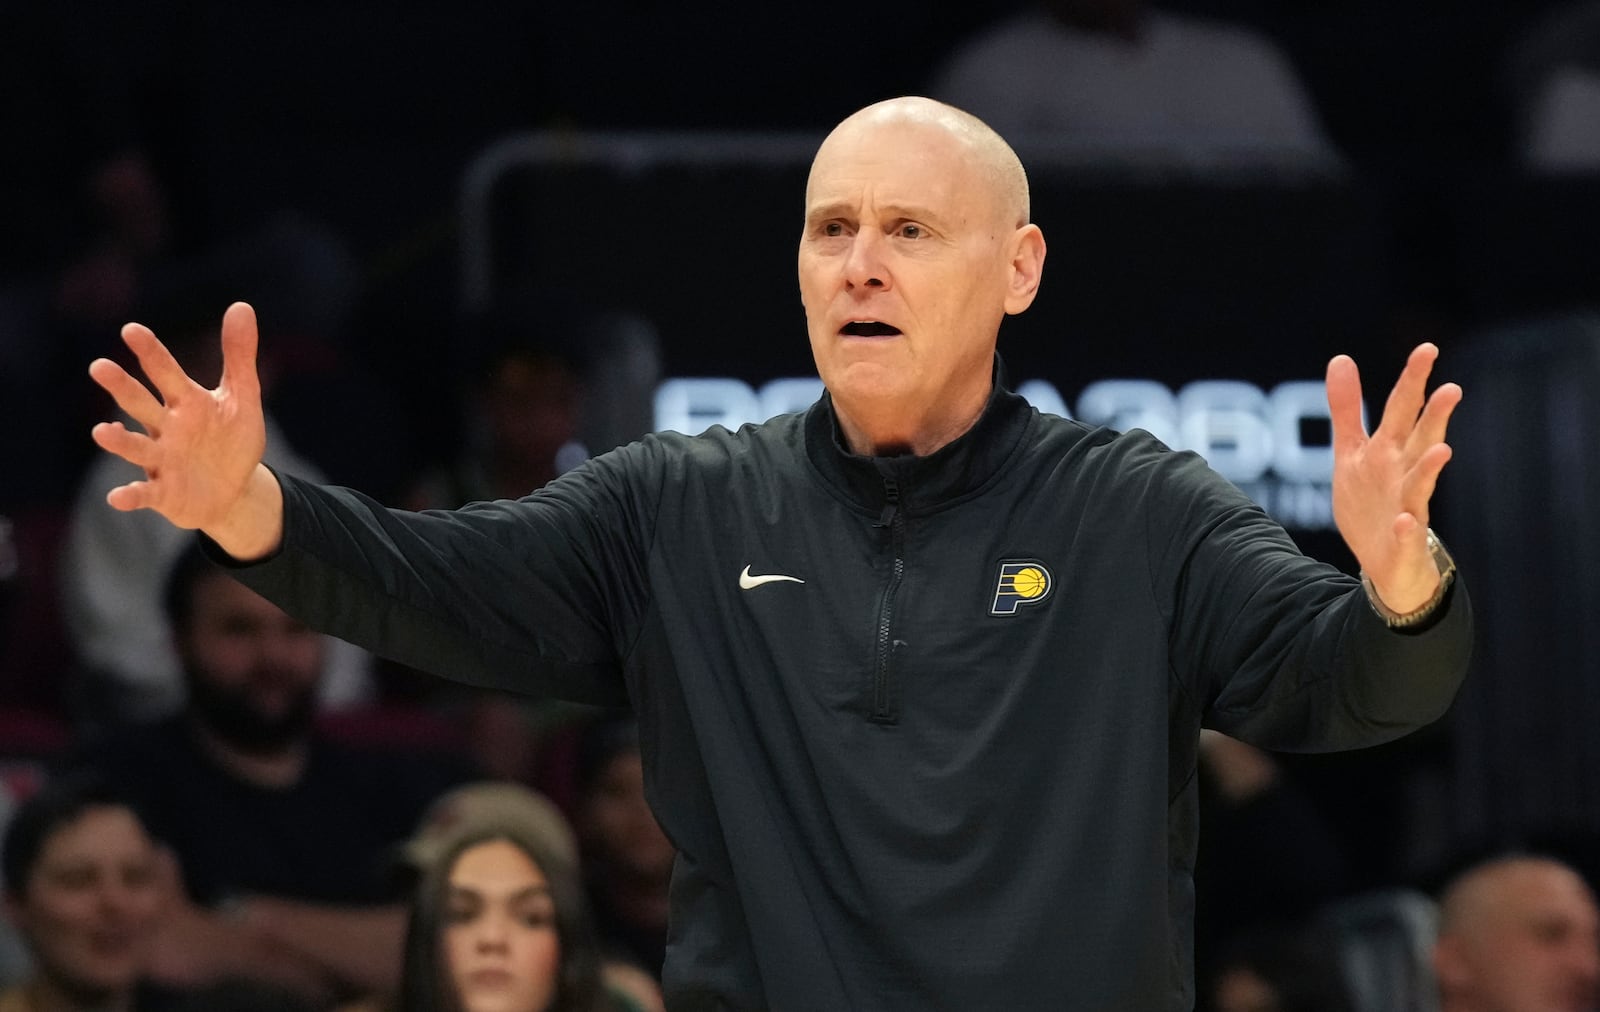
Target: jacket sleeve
(539, 595)
(1281, 650)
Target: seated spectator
(1562, 129)
(1516, 933)
(114, 565)
(1115, 78)
(281, 834)
(627, 858)
(82, 885)
(521, 413)
(1553, 79)
(498, 918)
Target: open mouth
(869, 328)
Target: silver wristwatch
(1447, 576)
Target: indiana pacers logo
(1021, 582)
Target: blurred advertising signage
(1273, 444)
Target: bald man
(1518, 934)
(919, 671)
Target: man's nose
(865, 268)
(115, 898)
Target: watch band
(1447, 576)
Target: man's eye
(75, 878)
(833, 228)
(910, 231)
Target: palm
(199, 447)
(1382, 482)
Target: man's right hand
(200, 449)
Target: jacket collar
(922, 483)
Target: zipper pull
(891, 493)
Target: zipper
(894, 519)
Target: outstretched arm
(359, 947)
(200, 449)
(1382, 482)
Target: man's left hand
(1382, 482)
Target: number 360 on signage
(1242, 431)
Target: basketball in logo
(1020, 583)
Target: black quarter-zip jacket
(922, 728)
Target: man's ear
(1026, 255)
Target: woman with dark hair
(499, 922)
(83, 886)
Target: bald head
(985, 152)
(916, 244)
(1518, 933)
(1487, 890)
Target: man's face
(1537, 948)
(252, 670)
(532, 407)
(90, 906)
(904, 268)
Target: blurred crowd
(208, 806)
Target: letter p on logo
(1021, 582)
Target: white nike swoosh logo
(746, 581)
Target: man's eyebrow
(828, 211)
(893, 212)
(909, 212)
